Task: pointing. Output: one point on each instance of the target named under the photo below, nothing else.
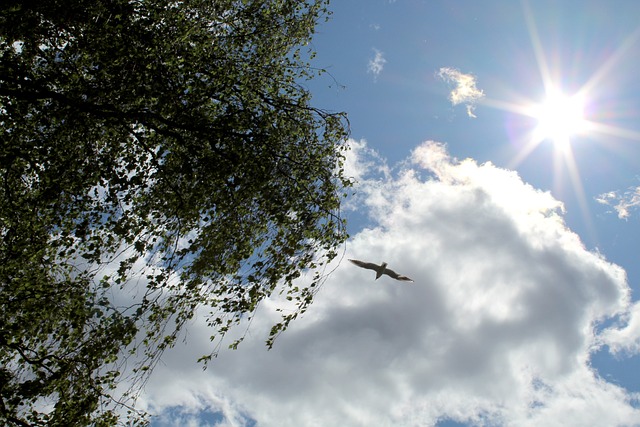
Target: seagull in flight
(380, 270)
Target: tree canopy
(156, 157)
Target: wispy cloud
(622, 203)
(497, 328)
(376, 64)
(464, 88)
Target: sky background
(524, 250)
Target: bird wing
(396, 276)
(367, 265)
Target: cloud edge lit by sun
(464, 90)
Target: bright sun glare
(559, 118)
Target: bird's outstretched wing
(397, 276)
(367, 265)
(376, 268)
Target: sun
(563, 118)
(559, 118)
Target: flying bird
(380, 270)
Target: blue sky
(523, 248)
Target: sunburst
(561, 117)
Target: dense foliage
(156, 157)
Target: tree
(156, 157)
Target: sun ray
(616, 131)
(513, 107)
(538, 51)
(530, 145)
(558, 170)
(605, 68)
(576, 183)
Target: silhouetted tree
(156, 156)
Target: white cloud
(376, 64)
(622, 203)
(464, 88)
(496, 329)
(625, 338)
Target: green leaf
(180, 162)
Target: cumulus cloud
(497, 328)
(376, 64)
(622, 203)
(464, 88)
